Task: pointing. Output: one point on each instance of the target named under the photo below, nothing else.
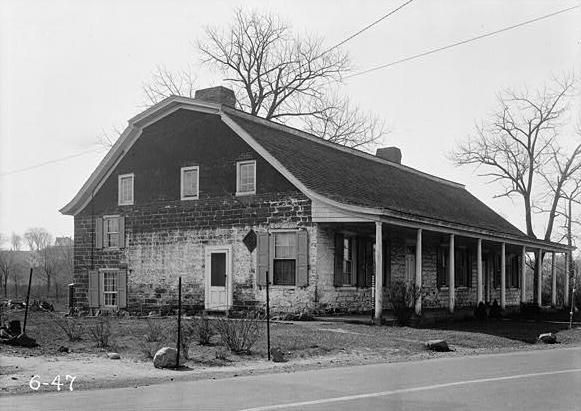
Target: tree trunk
(529, 218)
(47, 286)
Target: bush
(239, 334)
(100, 331)
(72, 327)
(154, 338)
(402, 296)
(205, 330)
(187, 336)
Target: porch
(454, 270)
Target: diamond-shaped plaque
(249, 240)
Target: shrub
(239, 334)
(187, 336)
(72, 327)
(154, 338)
(205, 330)
(402, 296)
(100, 331)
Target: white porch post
(479, 269)
(378, 272)
(523, 276)
(419, 270)
(566, 290)
(539, 267)
(553, 281)
(451, 288)
(502, 275)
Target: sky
(71, 71)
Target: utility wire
(401, 6)
(56, 160)
(459, 43)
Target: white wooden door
(218, 278)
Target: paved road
(534, 380)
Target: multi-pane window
(348, 271)
(111, 232)
(110, 288)
(246, 177)
(462, 267)
(512, 271)
(189, 183)
(126, 189)
(285, 258)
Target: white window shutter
(93, 291)
(302, 279)
(262, 258)
(122, 289)
(99, 232)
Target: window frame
(183, 170)
(273, 257)
(119, 189)
(461, 279)
(102, 274)
(239, 165)
(106, 233)
(351, 240)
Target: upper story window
(190, 183)
(111, 232)
(246, 177)
(126, 189)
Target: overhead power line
(401, 6)
(459, 43)
(56, 160)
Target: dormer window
(126, 189)
(190, 183)
(245, 177)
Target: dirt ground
(305, 344)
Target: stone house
(228, 201)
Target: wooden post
(419, 271)
(480, 288)
(566, 286)
(268, 314)
(179, 322)
(553, 281)
(27, 302)
(523, 275)
(502, 275)
(378, 272)
(539, 267)
(451, 279)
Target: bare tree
(166, 83)
(6, 267)
(278, 76)
(515, 146)
(40, 241)
(16, 242)
(344, 124)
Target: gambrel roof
(355, 182)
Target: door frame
(211, 249)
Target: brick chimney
(219, 95)
(392, 154)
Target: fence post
(179, 321)
(27, 302)
(267, 316)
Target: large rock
(277, 355)
(438, 345)
(166, 358)
(547, 338)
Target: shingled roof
(356, 178)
